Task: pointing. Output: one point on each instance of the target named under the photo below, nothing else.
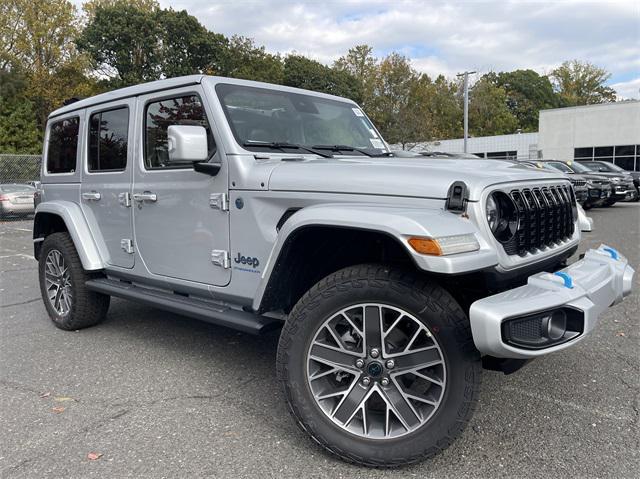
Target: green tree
(187, 47)
(244, 59)
(18, 129)
(302, 72)
(361, 64)
(488, 110)
(527, 93)
(582, 83)
(124, 43)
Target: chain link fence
(19, 168)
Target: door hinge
(127, 245)
(221, 258)
(125, 199)
(219, 201)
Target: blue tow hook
(568, 282)
(612, 252)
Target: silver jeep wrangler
(256, 206)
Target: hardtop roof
(159, 85)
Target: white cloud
(628, 90)
(442, 36)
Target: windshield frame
(577, 169)
(242, 142)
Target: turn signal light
(444, 245)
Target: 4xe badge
(247, 260)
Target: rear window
(108, 139)
(63, 146)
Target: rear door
(106, 178)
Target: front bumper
(625, 193)
(585, 289)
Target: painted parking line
(17, 254)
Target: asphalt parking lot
(156, 395)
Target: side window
(63, 145)
(108, 139)
(183, 110)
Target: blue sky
(443, 36)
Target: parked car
(600, 188)
(622, 186)
(258, 206)
(16, 200)
(602, 167)
(580, 186)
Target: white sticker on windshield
(376, 143)
(357, 112)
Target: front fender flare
(398, 222)
(78, 229)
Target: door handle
(91, 196)
(146, 196)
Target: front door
(181, 230)
(106, 178)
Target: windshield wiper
(339, 148)
(279, 145)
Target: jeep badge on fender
(247, 260)
(365, 257)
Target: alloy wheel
(376, 371)
(58, 282)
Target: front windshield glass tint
(560, 167)
(580, 168)
(608, 167)
(261, 115)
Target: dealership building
(609, 131)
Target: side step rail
(187, 306)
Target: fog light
(554, 325)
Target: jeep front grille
(545, 218)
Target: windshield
(560, 167)
(606, 167)
(264, 116)
(580, 168)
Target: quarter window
(108, 139)
(159, 115)
(63, 145)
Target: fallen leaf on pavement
(62, 399)
(58, 409)
(620, 333)
(45, 395)
(94, 456)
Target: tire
(587, 206)
(431, 308)
(76, 307)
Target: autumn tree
(302, 72)
(582, 83)
(488, 110)
(18, 129)
(37, 37)
(245, 59)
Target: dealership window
(108, 139)
(625, 156)
(504, 155)
(63, 145)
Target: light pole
(466, 106)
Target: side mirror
(187, 143)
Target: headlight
(492, 213)
(502, 216)
(590, 183)
(615, 179)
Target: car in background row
(16, 200)
(600, 188)
(622, 184)
(601, 167)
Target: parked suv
(258, 206)
(600, 188)
(627, 183)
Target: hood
(410, 177)
(610, 175)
